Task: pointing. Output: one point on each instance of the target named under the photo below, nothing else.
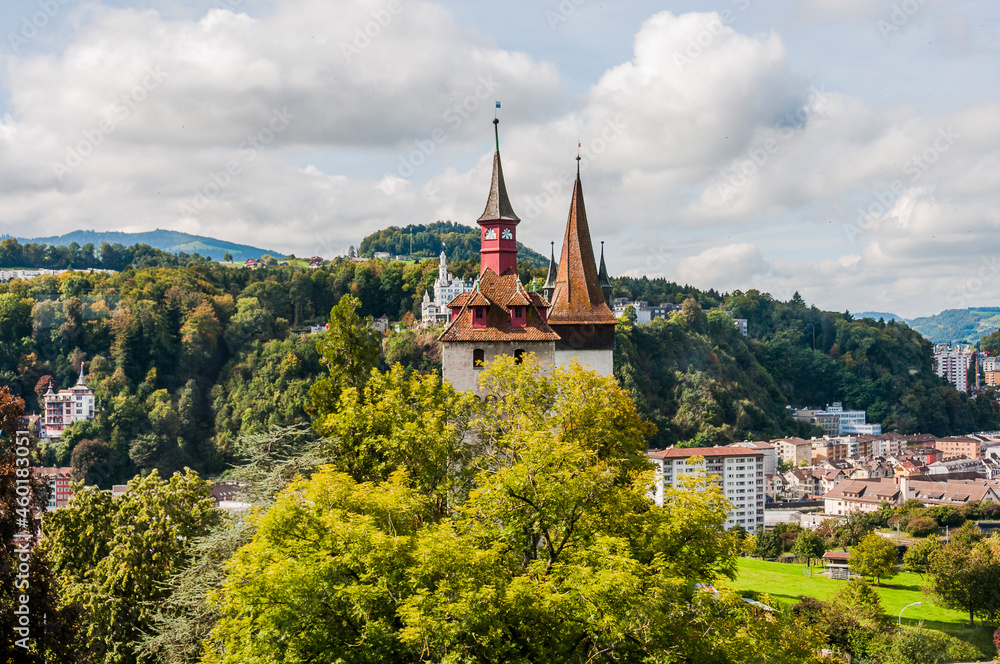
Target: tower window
(478, 358)
(518, 355)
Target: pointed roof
(498, 204)
(80, 380)
(603, 272)
(550, 278)
(578, 298)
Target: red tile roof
(685, 452)
(578, 297)
(496, 291)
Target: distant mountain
(424, 241)
(958, 325)
(876, 315)
(172, 241)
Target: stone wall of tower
(601, 361)
(458, 369)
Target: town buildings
(868, 495)
(572, 321)
(65, 407)
(738, 470)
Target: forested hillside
(419, 240)
(174, 242)
(702, 383)
(185, 359)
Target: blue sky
(847, 149)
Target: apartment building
(738, 470)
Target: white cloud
(727, 267)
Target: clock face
(491, 234)
(507, 234)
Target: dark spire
(498, 204)
(550, 278)
(602, 274)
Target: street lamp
(899, 621)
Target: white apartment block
(738, 470)
(953, 363)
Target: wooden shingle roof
(578, 297)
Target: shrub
(914, 645)
(922, 526)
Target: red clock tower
(498, 223)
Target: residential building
(794, 450)
(801, 483)
(836, 421)
(830, 449)
(60, 485)
(960, 466)
(65, 407)
(644, 311)
(381, 324)
(868, 495)
(960, 446)
(769, 451)
(952, 363)
(738, 470)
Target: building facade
(60, 486)
(738, 470)
(65, 407)
(952, 363)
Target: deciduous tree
(874, 556)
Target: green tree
(349, 350)
(968, 578)
(809, 545)
(768, 545)
(113, 557)
(557, 554)
(918, 557)
(874, 556)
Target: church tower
(580, 313)
(498, 317)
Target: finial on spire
(578, 146)
(496, 134)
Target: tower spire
(498, 223)
(550, 278)
(602, 274)
(579, 296)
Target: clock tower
(498, 223)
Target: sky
(845, 149)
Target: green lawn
(784, 582)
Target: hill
(424, 241)
(958, 325)
(880, 315)
(171, 241)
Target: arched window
(478, 358)
(518, 355)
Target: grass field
(784, 582)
